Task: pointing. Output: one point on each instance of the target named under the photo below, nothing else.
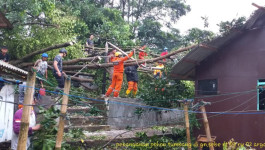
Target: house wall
(237, 67)
(6, 113)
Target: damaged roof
(185, 68)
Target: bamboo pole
(120, 50)
(206, 127)
(63, 113)
(187, 125)
(24, 125)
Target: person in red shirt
(142, 53)
(164, 53)
(117, 74)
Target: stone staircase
(80, 118)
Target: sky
(216, 11)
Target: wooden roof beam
(259, 7)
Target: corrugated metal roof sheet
(185, 68)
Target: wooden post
(187, 125)
(24, 125)
(120, 50)
(206, 127)
(105, 69)
(63, 113)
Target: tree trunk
(74, 61)
(41, 51)
(128, 13)
(123, 8)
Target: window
(207, 87)
(261, 95)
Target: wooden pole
(63, 113)
(187, 125)
(24, 125)
(207, 127)
(120, 50)
(105, 69)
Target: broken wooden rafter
(131, 63)
(259, 7)
(16, 62)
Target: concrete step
(86, 120)
(98, 139)
(78, 109)
(90, 128)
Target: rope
(83, 67)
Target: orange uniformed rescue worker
(117, 74)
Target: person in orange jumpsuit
(117, 74)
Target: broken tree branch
(41, 51)
(81, 79)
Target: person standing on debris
(16, 126)
(58, 67)
(111, 56)
(41, 66)
(142, 54)
(90, 43)
(165, 52)
(4, 55)
(118, 74)
(132, 79)
(158, 73)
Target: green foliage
(150, 32)
(45, 138)
(196, 36)
(164, 92)
(226, 26)
(30, 35)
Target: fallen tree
(16, 62)
(128, 63)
